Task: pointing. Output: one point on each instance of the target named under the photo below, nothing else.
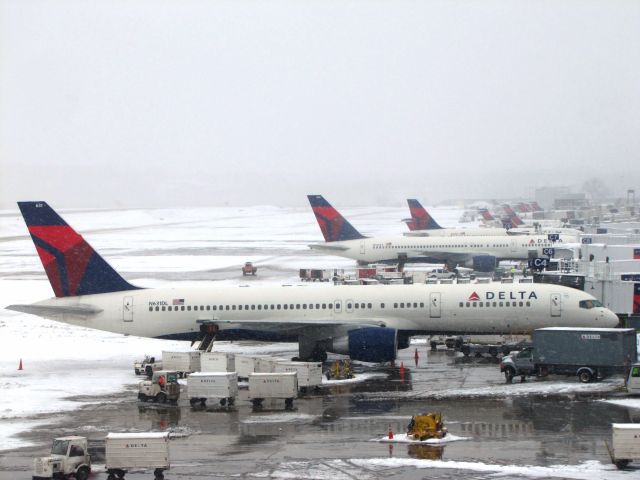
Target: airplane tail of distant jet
(536, 207)
(72, 265)
(486, 215)
(420, 218)
(333, 225)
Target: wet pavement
(332, 433)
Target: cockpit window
(588, 304)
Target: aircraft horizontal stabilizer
(49, 311)
(325, 246)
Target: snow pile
(404, 438)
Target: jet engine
(484, 263)
(369, 344)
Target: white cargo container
(217, 362)
(181, 362)
(626, 443)
(245, 365)
(265, 365)
(220, 385)
(125, 451)
(309, 373)
(273, 385)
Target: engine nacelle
(370, 344)
(484, 263)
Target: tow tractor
(249, 269)
(68, 457)
(162, 387)
(425, 426)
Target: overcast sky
(177, 103)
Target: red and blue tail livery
(420, 218)
(333, 225)
(72, 265)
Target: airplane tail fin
(420, 218)
(333, 225)
(486, 215)
(516, 220)
(72, 265)
(535, 207)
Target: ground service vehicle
(633, 380)
(589, 353)
(217, 362)
(163, 387)
(425, 426)
(273, 385)
(626, 443)
(220, 385)
(125, 451)
(340, 370)
(182, 362)
(249, 269)
(309, 373)
(146, 366)
(68, 457)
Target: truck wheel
(585, 376)
(257, 403)
(509, 373)
(193, 401)
(82, 473)
(434, 346)
(493, 351)
(223, 401)
(161, 397)
(143, 398)
(203, 402)
(120, 473)
(137, 371)
(621, 464)
(158, 474)
(466, 350)
(231, 401)
(288, 404)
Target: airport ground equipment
(309, 373)
(147, 366)
(249, 269)
(633, 380)
(126, 451)
(245, 365)
(182, 362)
(340, 370)
(425, 426)
(589, 353)
(69, 458)
(625, 444)
(273, 385)
(217, 362)
(493, 349)
(163, 387)
(219, 385)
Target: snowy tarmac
(78, 381)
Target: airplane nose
(609, 319)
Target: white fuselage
(458, 232)
(289, 310)
(381, 249)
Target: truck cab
(163, 387)
(633, 380)
(518, 363)
(69, 457)
(146, 366)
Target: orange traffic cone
(390, 433)
(20, 366)
(416, 357)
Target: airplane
(368, 323)
(422, 224)
(479, 252)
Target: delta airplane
(479, 252)
(369, 323)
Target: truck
(69, 458)
(625, 444)
(163, 387)
(126, 451)
(633, 380)
(273, 385)
(146, 366)
(309, 373)
(220, 385)
(249, 269)
(588, 353)
(182, 362)
(217, 362)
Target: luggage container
(273, 385)
(245, 365)
(309, 373)
(217, 362)
(626, 443)
(265, 365)
(182, 362)
(219, 385)
(126, 451)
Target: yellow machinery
(340, 370)
(425, 426)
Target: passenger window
(422, 305)
(259, 307)
(253, 307)
(357, 305)
(507, 304)
(468, 304)
(461, 304)
(169, 308)
(233, 307)
(415, 305)
(151, 309)
(401, 304)
(348, 305)
(382, 305)
(157, 309)
(285, 306)
(501, 304)
(189, 308)
(482, 304)
(208, 307)
(164, 308)
(297, 306)
(182, 308)
(226, 307)
(395, 305)
(239, 307)
(528, 304)
(318, 306)
(369, 305)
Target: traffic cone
(390, 433)
(416, 357)
(20, 366)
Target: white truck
(217, 362)
(126, 451)
(626, 444)
(163, 387)
(633, 380)
(273, 385)
(147, 366)
(220, 385)
(309, 373)
(182, 362)
(69, 457)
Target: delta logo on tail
(420, 218)
(334, 226)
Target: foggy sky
(190, 103)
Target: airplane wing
(52, 311)
(298, 326)
(456, 257)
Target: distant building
(571, 201)
(546, 196)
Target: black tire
(621, 464)
(257, 402)
(466, 350)
(493, 351)
(111, 476)
(83, 473)
(120, 473)
(142, 397)
(203, 402)
(137, 371)
(193, 401)
(231, 401)
(288, 404)
(223, 401)
(433, 345)
(161, 397)
(509, 373)
(158, 474)
(585, 376)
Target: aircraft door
(514, 245)
(127, 309)
(434, 304)
(362, 247)
(556, 304)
